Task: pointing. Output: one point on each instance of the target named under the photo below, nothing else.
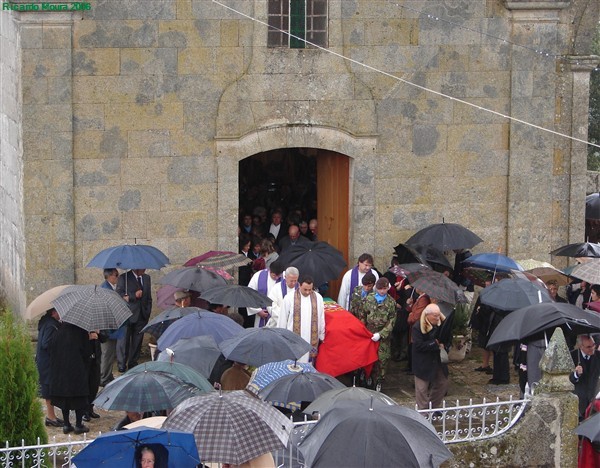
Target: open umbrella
(136, 256)
(194, 278)
(232, 427)
(318, 259)
(544, 317)
(120, 448)
(588, 271)
(426, 255)
(258, 346)
(220, 327)
(161, 322)
(185, 373)
(145, 391)
(219, 259)
(544, 271)
(436, 285)
(513, 293)
(590, 428)
(445, 236)
(329, 399)
(92, 308)
(592, 206)
(372, 433)
(43, 302)
(303, 386)
(579, 249)
(201, 353)
(493, 262)
(272, 371)
(236, 296)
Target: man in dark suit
(587, 370)
(134, 286)
(277, 228)
(293, 238)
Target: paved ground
(465, 384)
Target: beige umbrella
(544, 271)
(154, 422)
(43, 302)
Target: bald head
(294, 233)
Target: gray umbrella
(92, 308)
(258, 346)
(161, 322)
(372, 433)
(236, 296)
(590, 428)
(588, 271)
(187, 374)
(327, 400)
(193, 278)
(514, 293)
(145, 391)
(304, 386)
(233, 427)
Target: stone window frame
(307, 19)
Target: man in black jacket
(587, 371)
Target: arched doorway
(305, 184)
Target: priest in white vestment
(277, 293)
(306, 316)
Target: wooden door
(333, 182)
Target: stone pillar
(556, 365)
(47, 122)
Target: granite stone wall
(136, 114)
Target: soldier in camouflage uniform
(380, 313)
(359, 294)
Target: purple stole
(284, 288)
(353, 281)
(263, 281)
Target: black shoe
(93, 415)
(68, 428)
(498, 382)
(485, 369)
(81, 429)
(54, 422)
(122, 370)
(86, 418)
(132, 365)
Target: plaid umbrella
(92, 308)
(145, 391)
(436, 285)
(181, 371)
(445, 236)
(258, 346)
(236, 296)
(303, 386)
(588, 271)
(194, 278)
(233, 427)
(130, 256)
(219, 259)
(161, 322)
(220, 327)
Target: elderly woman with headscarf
(431, 375)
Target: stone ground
(465, 384)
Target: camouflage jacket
(380, 318)
(357, 303)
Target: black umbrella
(590, 428)
(445, 236)
(514, 293)
(193, 278)
(372, 433)
(304, 386)
(236, 296)
(426, 255)
(580, 249)
(537, 318)
(592, 206)
(317, 259)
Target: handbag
(444, 356)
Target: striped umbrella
(219, 259)
(232, 427)
(92, 308)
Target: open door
(333, 181)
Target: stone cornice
(536, 5)
(582, 63)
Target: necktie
(139, 280)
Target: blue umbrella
(162, 321)
(126, 257)
(493, 262)
(220, 327)
(119, 449)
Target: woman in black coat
(47, 328)
(69, 376)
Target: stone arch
(360, 149)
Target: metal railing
(454, 424)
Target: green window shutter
(297, 23)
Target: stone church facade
(127, 122)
